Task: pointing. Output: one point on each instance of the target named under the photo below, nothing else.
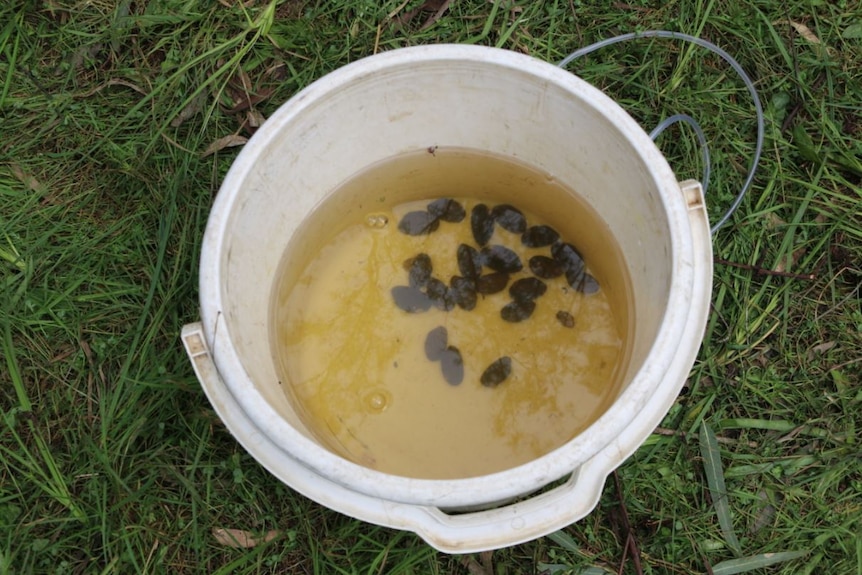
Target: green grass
(111, 460)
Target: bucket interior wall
(310, 147)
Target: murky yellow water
(356, 365)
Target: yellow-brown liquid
(355, 364)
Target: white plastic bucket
(471, 97)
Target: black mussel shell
(447, 210)
(418, 223)
(452, 365)
(583, 282)
(419, 270)
(436, 342)
(497, 372)
(501, 259)
(545, 267)
(575, 277)
(518, 310)
(439, 294)
(539, 236)
(492, 283)
(509, 218)
(411, 299)
(469, 261)
(463, 292)
(568, 256)
(590, 285)
(526, 289)
(481, 224)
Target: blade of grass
(12, 56)
(489, 23)
(681, 72)
(12, 255)
(777, 40)
(747, 564)
(773, 425)
(53, 482)
(553, 568)
(14, 370)
(717, 490)
(504, 37)
(58, 486)
(565, 541)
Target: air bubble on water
(376, 221)
(377, 401)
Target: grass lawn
(118, 121)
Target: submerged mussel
(448, 210)
(527, 289)
(481, 224)
(411, 299)
(418, 223)
(497, 372)
(568, 256)
(518, 310)
(452, 365)
(463, 292)
(439, 294)
(492, 283)
(469, 261)
(575, 269)
(501, 259)
(436, 342)
(582, 281)
(509, 218)
(539, 236)
(419, 270)
(545, 267)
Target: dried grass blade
(229, 141)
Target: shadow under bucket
(491, 101)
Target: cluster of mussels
(424, 291)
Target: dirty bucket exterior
(488, 100)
